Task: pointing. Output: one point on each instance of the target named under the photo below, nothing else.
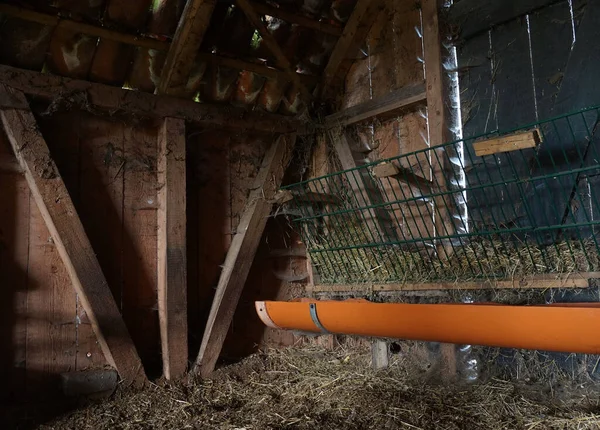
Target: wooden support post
(380, 355)
(438, 121)
(172, 264)
(242, 250)
(55, 204)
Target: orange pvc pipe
(564, 328)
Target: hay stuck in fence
(481, 259)
(310, 388)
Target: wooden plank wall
(109, 167)
(395, 57)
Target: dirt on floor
(311, 388)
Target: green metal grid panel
(522, 212)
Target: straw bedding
(310, 388)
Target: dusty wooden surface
(172, 251)
(241, 253)
(67, 234)
(116, 100)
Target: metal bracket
(315, 318)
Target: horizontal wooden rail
(383, 107)
(572, 280)
(117, 100)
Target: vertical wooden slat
(140, 189)
(101, 211)
(209, 224)
(14, 253)
(67, 235)
(242, 250)
(51, 305)
(172, 255)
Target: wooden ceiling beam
(188, 37)
(117, 100)
(355, 32)
(274, 48)
(292, 18)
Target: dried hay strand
(310, 388)
(475, 260)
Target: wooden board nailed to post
(512, 142)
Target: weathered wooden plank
(56, 207)
(117, 100)
(282, 61)
(241, 252)
(512, 142)
(51, 341)
(140, 239)
(186, 43)
(209, 222)
(474, 16)
(383, 107)
(355, 31)
(100, 209)
(14, 256)
(437, 115)
(395, 48)
(172, 254)
(406, 176)
(572, 280)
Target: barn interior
(251, 214)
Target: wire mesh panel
(521, 212)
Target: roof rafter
(273, 46)
(190, 31)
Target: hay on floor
(310, 388)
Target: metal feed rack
(526, 211)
